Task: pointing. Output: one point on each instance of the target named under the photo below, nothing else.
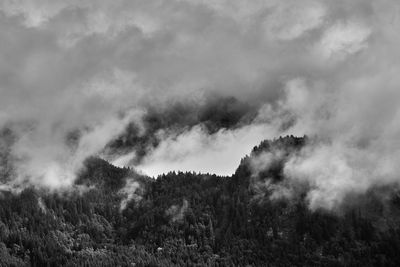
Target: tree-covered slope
(117, 217)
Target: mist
(76, 77)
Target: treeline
(189, 219)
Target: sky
(75, 74)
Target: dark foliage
(188, 219)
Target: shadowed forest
(189, 219)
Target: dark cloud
(213, 114)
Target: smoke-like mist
(177, 212)
(75, 74)
(131, 191)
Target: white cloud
(34, 13)
(177, 212)
(290, 20)
(196, 150)
(131, 191)
(343, 39)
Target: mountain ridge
(183, 218)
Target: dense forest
(118, 217)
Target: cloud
(356, 147)
(290, 20)
(131, 191)
(342, 39)
(41, 205)
(34, 13)
(44, 159)
(177, 212)
(72, 73)
(196, 150)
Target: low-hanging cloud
(177, 212)
(85, 69)
(132, 191)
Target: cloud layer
(74, 74)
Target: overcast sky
(330, 68)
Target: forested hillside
(117, 217)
